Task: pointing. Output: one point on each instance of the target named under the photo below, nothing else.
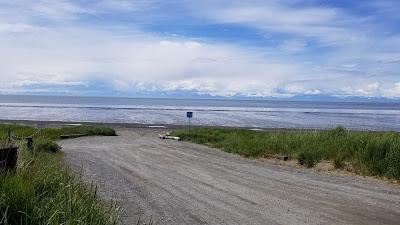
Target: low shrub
(308, 159)
(96, 131)
(338, 162)
(55, 133)
(338, 132)
(46, 146)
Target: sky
(228, 48)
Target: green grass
(54, 133)
(308, 159)
(46, 145)
(370, 153)
(43, 191)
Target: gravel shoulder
(175, 182)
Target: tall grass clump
(54, 133)
(380, 157)
(339, 163)
(43, 191)
(308, 159)
(46, 145)
(368, 152)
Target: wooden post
(29, 143)
(9, 138)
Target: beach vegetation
(46, 145)
(308, 159)
(42, 190)
(338, 162)
(368, 152)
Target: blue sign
(189, 114)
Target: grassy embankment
(368, 153)
(42, 190)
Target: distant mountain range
(192, 95)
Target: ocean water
(233, 113)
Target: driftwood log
(167, 136)
(71, 136)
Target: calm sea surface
(235, 113)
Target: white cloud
(293, 45)
(171, 64)
(16, 28)
(124, 5)
(327, 25)
(393, 92)
(369, 89)
(64, 51)
(59, 9)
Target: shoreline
(53, 124)
(172, 127)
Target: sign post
(189, 115)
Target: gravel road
(183, 183)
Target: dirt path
(184, 183)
